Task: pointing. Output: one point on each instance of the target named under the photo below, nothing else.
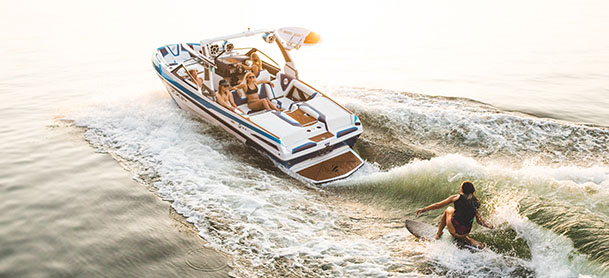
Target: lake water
(102, 175)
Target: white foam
(236, 206)
(263, 218)
(455, 167)
(476, 128)
(553, 255)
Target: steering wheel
(240, 69)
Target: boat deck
(321, 137)
(331, 168)
(301, 117)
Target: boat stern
(337, 164)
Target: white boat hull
(311, 140)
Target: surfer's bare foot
(439, 235)
(475, 243)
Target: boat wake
(272, 224)
(545, 183)
(452, 125)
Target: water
(103, 176)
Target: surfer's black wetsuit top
(251, 91)
(465, 211)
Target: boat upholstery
(238, 99)
(263, 92)
(287, 118)
(283, 103)
(174, 54)
(335, 118)
(263, 75)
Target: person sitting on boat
(223, 97)
(194, 76)
(250, 87)
(459, 220)
(256, 66)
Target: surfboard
(421, 230)
(428, 232)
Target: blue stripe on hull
(202, 102)
(210, 106)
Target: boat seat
(175, 54)
(292, 89)
(290, 102)
(300, 91)
(263, 75)
(282, 83)
(307, 108)
(296, 94)
(284, 80)
(264, 90)
(283, 103)
(238, 99)
(282, 115)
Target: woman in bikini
(459, 220)
(250, 87)
(256, 66)
(223, 97)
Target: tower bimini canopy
(247, 33)
(295, 37)
(286, 38)
(292, 37)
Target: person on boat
(250, 87)
(256, 66)
(224, 98)
(194, 76)
(459, 219)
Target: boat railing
(197, 55)
(182, 72)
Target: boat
(311, 139)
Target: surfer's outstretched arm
(481, 221)
(438, 205)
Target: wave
(442, 125)
(274, 225)
(556, 217)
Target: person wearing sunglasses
(256, 66)
(250, 87)
(224, 98)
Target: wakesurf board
(428, 232)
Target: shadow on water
(383, 145)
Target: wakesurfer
(459, 220)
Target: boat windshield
(263, 56)
(269, 53)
